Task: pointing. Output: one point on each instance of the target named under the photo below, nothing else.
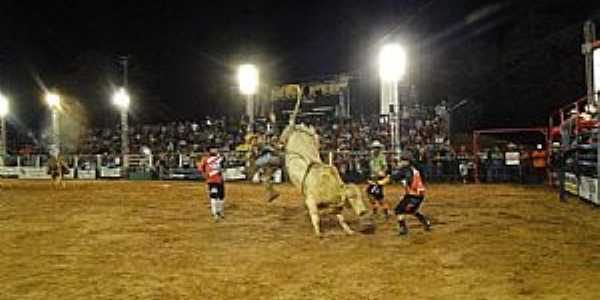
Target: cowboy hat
(377, 144)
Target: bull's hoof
(367, 230)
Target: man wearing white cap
(377, 179)
(539, 163)
(414, 196)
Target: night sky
(498, 54)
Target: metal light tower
(3, 113)
(53, 101)
(392, 67)
(589, 35)
(121, 100)
(248, 81)
(591, 50)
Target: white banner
(571, 183)
(86, 174)
(71, 174)
(588, 189)
(9, 171)
(512, 158)
(34, 173)
(106, 172)
(277, 177)
(230, 174)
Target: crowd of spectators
(419, 127)
(424, 133)
(172, 138)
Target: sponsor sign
(9, 171)
(571, 183)
(86, 174)
(106, 172)
(33, 173)
(512, 158)
(588, 189)
(71, 174)
(236, 173)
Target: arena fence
(353, 167)
(494, 167)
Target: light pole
(449, 112)
(53, 101)
(121, 100)
(3, 113)
(392, 67)
(248, 81)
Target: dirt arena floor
(155, 240)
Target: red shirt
(416, 187)
(539, 159)
(211, 168)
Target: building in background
(327, 96)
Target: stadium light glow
(392, 62)
(3, 106)
(248, 79)
(3, 113)
(121, 99)
(53, 100)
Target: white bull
(319, 183)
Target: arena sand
(155, 240)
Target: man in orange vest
(539, 163)
(413, 197)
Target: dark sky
(183, 54)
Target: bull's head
(353, 197)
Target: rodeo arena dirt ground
(155, 240)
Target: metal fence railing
(353, 167)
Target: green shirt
(378, 164)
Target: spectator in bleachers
(423, 132)
(463, 158)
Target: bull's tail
(297, 107)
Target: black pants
(410, 204)
(216, 191)
(375, 192)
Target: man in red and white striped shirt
(211, 168)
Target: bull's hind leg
(344, 225)
(313, 211)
